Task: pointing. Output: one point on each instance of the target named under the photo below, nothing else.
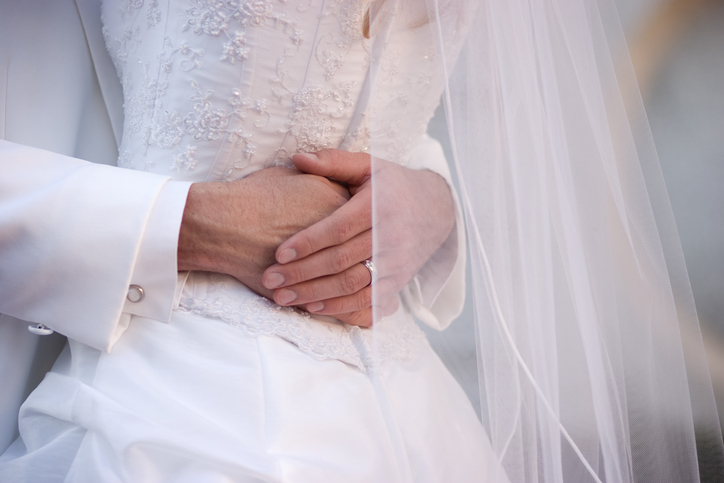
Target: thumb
(350, 168)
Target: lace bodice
(216, 89)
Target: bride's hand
(235, 227)
(322, 267)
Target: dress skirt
(198, 400)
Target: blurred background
(677, 49)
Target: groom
(84, 246)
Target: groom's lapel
(90, 15)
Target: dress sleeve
(76, 236)
(437, 293)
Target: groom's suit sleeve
(75, 235)
(436, 295)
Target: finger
(329, 261)
(360, 318)
(351, 168)
(362, 299)
(365, 317)
(348, 282)
(351, 219)
(351, 303)
(339, 187)
(389, 306)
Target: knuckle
(344, 229)
(365, 319)
(339, 199)
(306, 246)
(366, 243)
(351, 282)
(341, 260)
(314, 291)
(327, 153)
(335, 265)
(362, 318)
(294, 274)
(365, 298)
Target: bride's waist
(221, 159)
(222, 297)
(226, 298)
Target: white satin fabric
(197, 400)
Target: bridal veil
(588, 361)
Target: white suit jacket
(74, 234)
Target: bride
(580, 365)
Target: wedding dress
(235, 388)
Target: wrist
(199, 238)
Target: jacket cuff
(154, 275)
(72, 236)
(436, 295)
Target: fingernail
(287, 255)
(307, 156)
(315, 307)
(274, 280)
(285, 296)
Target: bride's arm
(436, 295)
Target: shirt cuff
(436, 295)
(153, 281)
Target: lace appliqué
(332, 51)
(364, 348)
(405, 102)
(212, 33)
(153, 15)
(186, 160)
(130, 7)
(315, 111)
(235, 49)
(213, 17)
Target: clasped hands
(297, 237)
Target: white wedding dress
(235, 388)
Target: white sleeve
(75, 235)
(437, 293)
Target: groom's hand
(322, 268)
(235, 227)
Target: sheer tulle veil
(588, 362)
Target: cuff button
(39, 329)
(135, 294)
